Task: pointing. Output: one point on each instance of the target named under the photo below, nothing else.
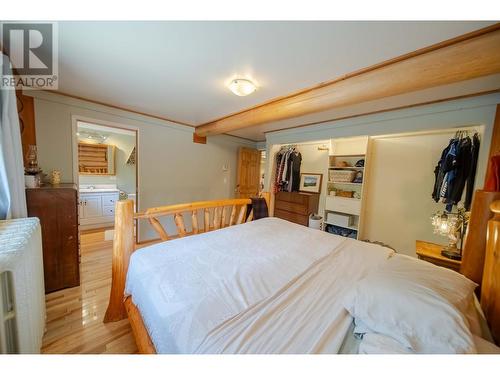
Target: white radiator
(22, 291)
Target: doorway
(105, 158)
(248, 180)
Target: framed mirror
(96, 159)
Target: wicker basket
(344, 193)
(342, 176)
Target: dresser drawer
(292, 207)
(293, 197)
(109, 200)
(293, 217)
(347, 205)
(108, 210)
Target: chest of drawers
(295, 207)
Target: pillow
(420, 305)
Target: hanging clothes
(295, 173)
(287, 177)
(456, 171)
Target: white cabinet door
(92, 206)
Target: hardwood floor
(74, 316)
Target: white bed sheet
(268, 286)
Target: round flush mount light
(242, 86)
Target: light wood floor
(74, 316)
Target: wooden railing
(216, 214)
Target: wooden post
(123, 247)
(490, 290)
(475, 240)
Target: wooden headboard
(474, 249)
(490, 287)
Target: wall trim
(92, 106)
(121, 108)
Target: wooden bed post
(123, 247)
(490, 288)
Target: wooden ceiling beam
(456, 60)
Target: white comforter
(268, 286)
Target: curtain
(12, 193)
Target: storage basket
(342, 220)
(342, 176)
(344, 193)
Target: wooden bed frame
(221, 213)
(216, 214)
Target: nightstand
(431, 252)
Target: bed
(237, 285)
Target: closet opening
(380, 188)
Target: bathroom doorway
(105, 160)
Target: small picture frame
(310, 182)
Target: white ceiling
(178, 70)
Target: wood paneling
(57, 209)
(458, 60)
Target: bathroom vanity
(97, 206)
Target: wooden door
(248, 179)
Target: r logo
(30, 47)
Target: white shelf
(346, 198)
(346, 183)
(355, 168)
(347, 155)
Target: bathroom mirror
(96, 159)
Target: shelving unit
(343, 214)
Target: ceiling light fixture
(99, 137)
(242, 86)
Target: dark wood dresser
(295, 207)
(57, 208)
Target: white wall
(125, 173)
(477, 111)
(172, 169)
(398, 203)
